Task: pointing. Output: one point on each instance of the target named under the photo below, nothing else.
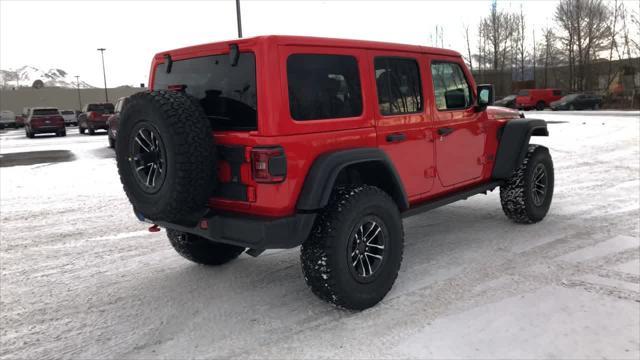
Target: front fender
(514, 143)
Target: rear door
(401, 121)
(460, 132)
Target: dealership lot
(81, 277)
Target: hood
(499, 113)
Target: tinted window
(323, 86)
(101, 108)
(227, 94)
(450, 86)
(398, 85)
(43, 112)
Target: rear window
(44, 112)
(323, 86)
(67, 112)
(101, 108)
(228, 94)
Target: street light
(78, 87)
(104, 75)
(238, 19)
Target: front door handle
(445, 131)
(398, 137)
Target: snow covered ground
(81, 278)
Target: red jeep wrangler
(278, 141)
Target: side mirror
(485, 96)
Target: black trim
(251, 232)
(323, 174)
(278, 165)
(514, 140)
(442, 201)
(169, 63)
(234, 54)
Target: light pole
(78, 87)
(239, 20)
(104, 74)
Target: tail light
(269, 165)
(177, 87)
(93, 115)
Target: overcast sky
(65, 34)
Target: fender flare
(323, 173)
(514, 142)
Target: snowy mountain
(27, 75)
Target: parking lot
(81, 277)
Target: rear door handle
(396, 137)
(445, 131)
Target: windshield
(101, 108)
(44, 112)
(570, 97)
(227, 94)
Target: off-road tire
(324, 255)
(185, 132)
(202, 251)
(516, 194)
(540, 105)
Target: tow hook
(154, 228)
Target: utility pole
(104, 75)
(78, 87)
(239, 20)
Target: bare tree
(586, 32)
(466, 38)
(497, 29)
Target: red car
(42, 120)
(537, 98)
(112, 123)
(279, 141)
(94, 117)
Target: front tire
(540, 105)
(526, 196)
(354, 252)
(202, 251)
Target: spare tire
(166, 156)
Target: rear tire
(341, 269)
(540, 105)
(172, 179)
(81, 129)
(202, 251)
(29, 134)
(526, 196)
(92, 131)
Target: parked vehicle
(537, 98)
(508, 102)
(69, 117)
(112, 122)
(42, 120)
(577, 102)
(20, 121)
(7, 119)
(278, 141)
(94, 117)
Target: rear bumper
(96, 125)
(47, 129)
(254, 233)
